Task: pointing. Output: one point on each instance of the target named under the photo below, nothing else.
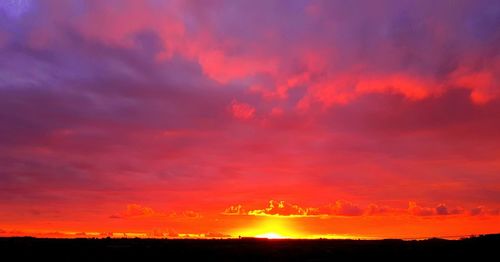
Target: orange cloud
(186, 214)
(234, 210)
(282, 208)
(135, 210)
(347, 208)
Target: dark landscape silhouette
(249, 130)
(248, 249)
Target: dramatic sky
(225, 118)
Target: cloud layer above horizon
(193, 106)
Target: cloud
(242, 110)
(442, 210)
(416, 210)
(139, 211)
(347, 208)
(136, 210)
(482, 211)
(477, 211)
(186, 214)
(439, 210)
(216, 235)
(282, 208)
(224, 68)
(163, 233)
(15, 8)
(482, 83)
(234, 210)
(106, 234)
(374, 209)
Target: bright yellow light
(270, 236)
(270, 227)
(284, 228)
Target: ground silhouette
(42, 249)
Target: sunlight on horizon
(271, 235)
(271, 227)
(282, 228)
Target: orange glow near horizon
(270, 227)
(271, 235)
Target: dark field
(485, 247)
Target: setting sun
(272, 228)
(270, 236)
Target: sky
(291, 118)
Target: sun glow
(281, 227)
(270, 236)
(271, 228)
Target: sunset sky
(292, 118)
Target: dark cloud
(442, 210)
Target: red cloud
(416, 210)
(224, 68)
(344, 88)
(439, 210)
(484, 84)
(135, 210)
(345, 208)
(138, 211)
(242, 110)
